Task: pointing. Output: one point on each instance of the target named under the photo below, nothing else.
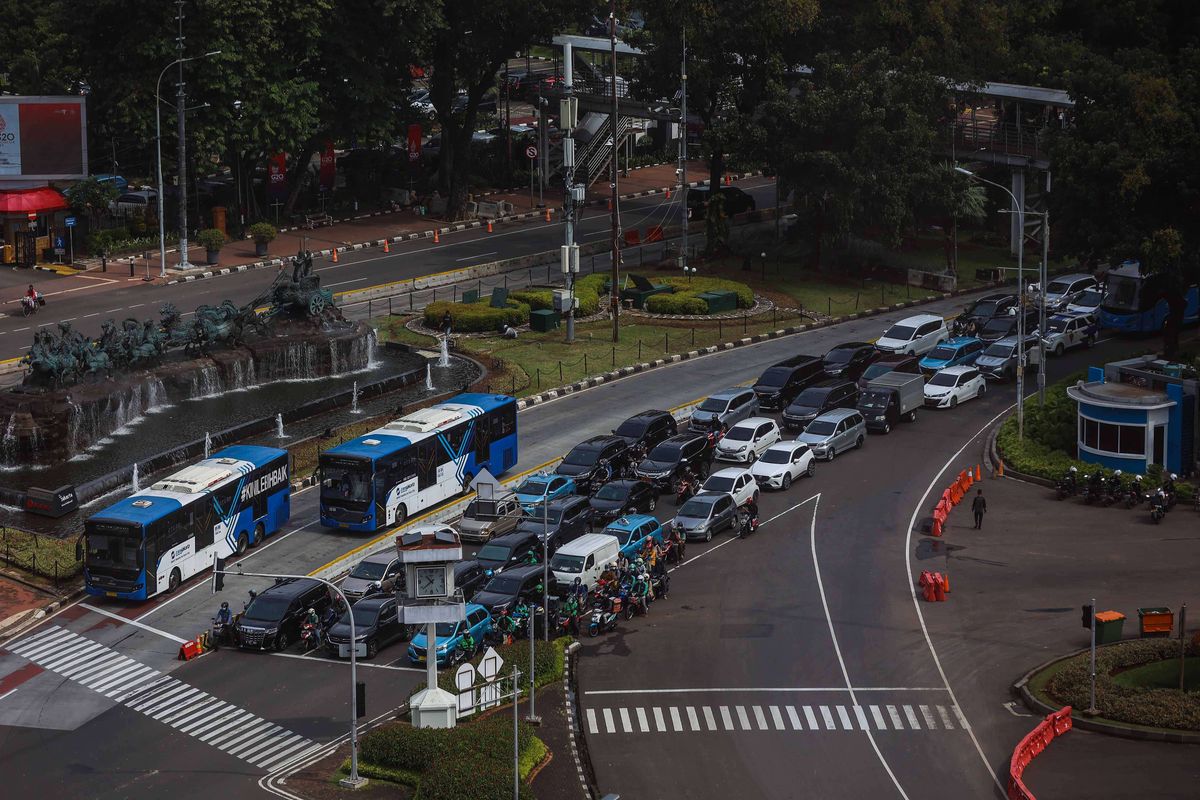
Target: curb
(575, 732)
(34, 616)
(1021, 690)
(993, 455)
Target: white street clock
(431, 581)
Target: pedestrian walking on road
(979, 506)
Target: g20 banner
(43, 138)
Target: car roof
(708, 497)
(598, 442)
(586, 544)
(729, 472)
(524, 571)
(959, 341)
(895, 358)
(849, 346)
(516, 537)
(752, 422)
(837, 414)
(563, 502)
(786, 445)
(681, 438)
(828, 383)
(795, 361)
(1069, 278)
(920, 319)
(463, 566)
(992, 298)
(630, 484)
(731, 392)
(649, 414)
(630, 521)
(957, 370)
(375, 600)
(386, 557)
(290, 587)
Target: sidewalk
(373, 228)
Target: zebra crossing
(148, 691)
(825, 718)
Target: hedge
(686, 297)
(587, 290)
(1158, 708)
(477, 317)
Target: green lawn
(43, 555)
(1162, 675)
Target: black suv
(817, 399)
(566, 518)
(503, 590)
(667, 459)
(616, 498)
(594, 461)
(850, 359)
(980, 312)
(509, 550)
(1006, 325)
(469, 577)
(647, 429)
(272, 620)
(780, 383)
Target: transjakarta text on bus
(417, 461)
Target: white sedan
(783, 463)
(953, 385)
(747, 440)
(738, 483)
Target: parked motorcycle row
(1097, 488)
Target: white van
(584, 558)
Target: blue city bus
(415, 462)
(1136, 303)
(157, 538)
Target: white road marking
(743, 718)
(730, 541)
(862, 718)
(812, 719)
(643, 723)
(844, 717)
(693, 720)
(946, 723)
(676, 722)
(927, 713)
(912, 718)
(477, 255)
(726, 719)
(625, 723)
(709, 719)
(828, 717)
(794, 718)
(760, 718)
(169, 636)
(345, 283)
(659, 722)
(609, 724)
(782, 689)
(591, 720)
(878, 716)
(6, 694)
(894, 713)
(777, 718)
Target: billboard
(43, 138)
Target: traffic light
(218, 581)
(1088, 613)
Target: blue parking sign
(70, 222)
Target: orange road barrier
(335, 260)
(189, 650)
(946, 583)
(489, 226)
(978, 473)
(939, 588)
(654, 234)
(610, 204)
(386, 248)
(668, 194)
(1037, 740)
(547, 214)
(436, 238)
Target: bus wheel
(242, 543)
(258, 535)
(173, 582)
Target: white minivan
(584, 558)
(914, 335)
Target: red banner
(328, 167)
(277, 176)
(414, 142)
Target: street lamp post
(162, 236)
(1020, 212)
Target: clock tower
(429, 554)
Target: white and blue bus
(415, 462)
(157, 538)
(1137, 303)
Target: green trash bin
(543, 320)
(1108, 626)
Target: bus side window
(204, 533)
(455, 436)
(429, 453)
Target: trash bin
(1108, 626)
(1156, 621)
(543, 320)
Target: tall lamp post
(162, 236)
(1020, 212)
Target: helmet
(1117, 473)
(1173, 476)
(224, 605)
(312, 611)
(1074, 469)
(1137, 477)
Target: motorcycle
(1158, 506)
(747, 524)
(685, 489)
(1067, 486)
(1133, 496)
(30, 306)
(222, 633)
(1093, 490)
(604, 616)
(310, 636)
(660, 584)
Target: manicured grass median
(42, 555)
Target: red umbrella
(23, 201)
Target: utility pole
(1042, 308)
(616, 248)
(179, 122)
(566, 119)
(683, 154)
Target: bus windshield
(343, 479)
(111, 545)
(1122, 293)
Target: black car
(850, 360)
(469, 577)
(670, 456)
(735, 200)
(979, 313)
(817, 399)
(891, 362)
(594, 461)
(509, 550)
(376, 624)
(504, 589)
(566, 518)
(617, 498)
(647, 429)
(780, 383)
(1006, 325)
(273, 618)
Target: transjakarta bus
(155, 539)
(416, 461)
(1137, 303)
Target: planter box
(211, 257)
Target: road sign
(69, 222)
(531, 152)
(58, 243)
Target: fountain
(279, 426)
(136, 487)
(444, 360)
(207, 444)
(428, 377)
(354, 399)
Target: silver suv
(729, 405)
(834, 432)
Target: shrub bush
(686, 296)
(477, 317)
(211, 239)
(679, 303)
(262, 232)
(587, 289)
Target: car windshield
(839, 356)
(999, 351)
(1056, 325)
(942, 353)
(999, 325)
(740, 433)
(875, 370)
(776, 457)
(811, 398)
(821, 427)
(268, 607)
(665, 452)
(565, 563)
(493, 552)
(368, 570)
(611, 491)
(873, 400)
(532, 486)
(718, 483)
(695, 508)
(985, 308)
(1058, 287)
(446, 630)
(943, 379)
(1091, 297)
(775, 376)
(631, 428)
(346, 480)
(363, 616)
(713, 404)
(481, 509)
(582, 456)
(902, 332)
(502, 584)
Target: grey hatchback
(705, 514)
(729, 405)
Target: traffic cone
(489, 226)
(946, 582)
(610, 204)
(978, 473)
(1000, 468)
(386, 248)
(335, 260)
(436, 238)
(547, 214)
(729, 180)
(668, 192)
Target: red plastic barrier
(1034, 743)
(633, 238)
(655, 234)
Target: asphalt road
(87, 300)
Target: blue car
(537, 489)
(449, 634)
(959, 351)
(632, 532)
